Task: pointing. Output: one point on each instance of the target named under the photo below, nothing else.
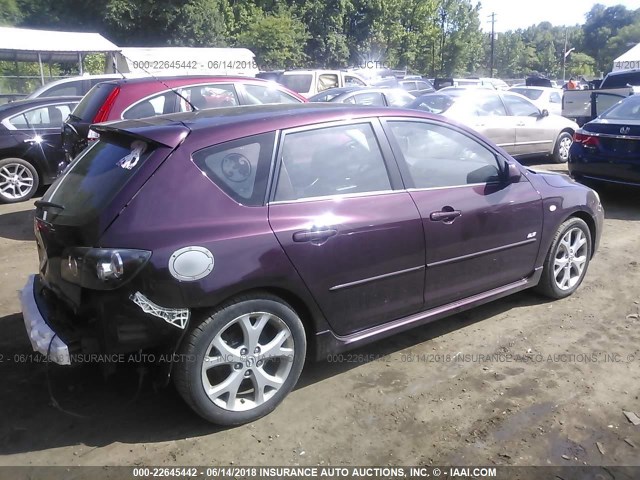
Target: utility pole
(493, 36)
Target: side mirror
(544, 113)
(513, 173)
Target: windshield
(298, 82)
(531, 94)
(627, 109)
(94, 178)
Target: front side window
(240, 167)
(261, 94)
(337, 160)
(555, 98)
(43, 117)
(519, 107)
(438, 156)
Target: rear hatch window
(96, 176)
(92, 101)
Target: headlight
(102, 268)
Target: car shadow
(620, 202)
(17, 225)
(49, 406)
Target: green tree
(277, 40)
(9, 12)
(602, 24)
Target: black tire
(561, 150)
(548, 284)
(9, 194)
(188, 372)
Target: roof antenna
(193, 107)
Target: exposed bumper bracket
(177, 317)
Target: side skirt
(329, 343)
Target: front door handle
(445, 215)
(314, 235)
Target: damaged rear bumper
(43, 338)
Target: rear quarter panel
(179, 207)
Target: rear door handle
(314, 235)
(444, 215)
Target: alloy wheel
(570, 258)
(16, 181)
(247, 361)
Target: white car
(544, 98)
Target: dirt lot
(582, 370)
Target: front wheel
(567, 260)
(240, 362)
(561, 150)
(18, 180)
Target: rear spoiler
(124, 132)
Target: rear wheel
(567, 260)
(241, 362)
(19, 180)
(561, 150)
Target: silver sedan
(510, 120)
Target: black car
(607, 149)
(30, 145)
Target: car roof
(62, 81)
(180, 79)
(227, 123)
(13, 107)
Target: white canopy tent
(628, 60)
(28, 45)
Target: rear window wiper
(44, 204)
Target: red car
(132, 98)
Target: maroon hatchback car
(244, 240)
(130, 98)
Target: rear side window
(208, 96)
(240, 167)
(94, 179)
(92, 101)
(337, 160)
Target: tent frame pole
(41, 69)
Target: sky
(512, 14)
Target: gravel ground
(574, 369)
